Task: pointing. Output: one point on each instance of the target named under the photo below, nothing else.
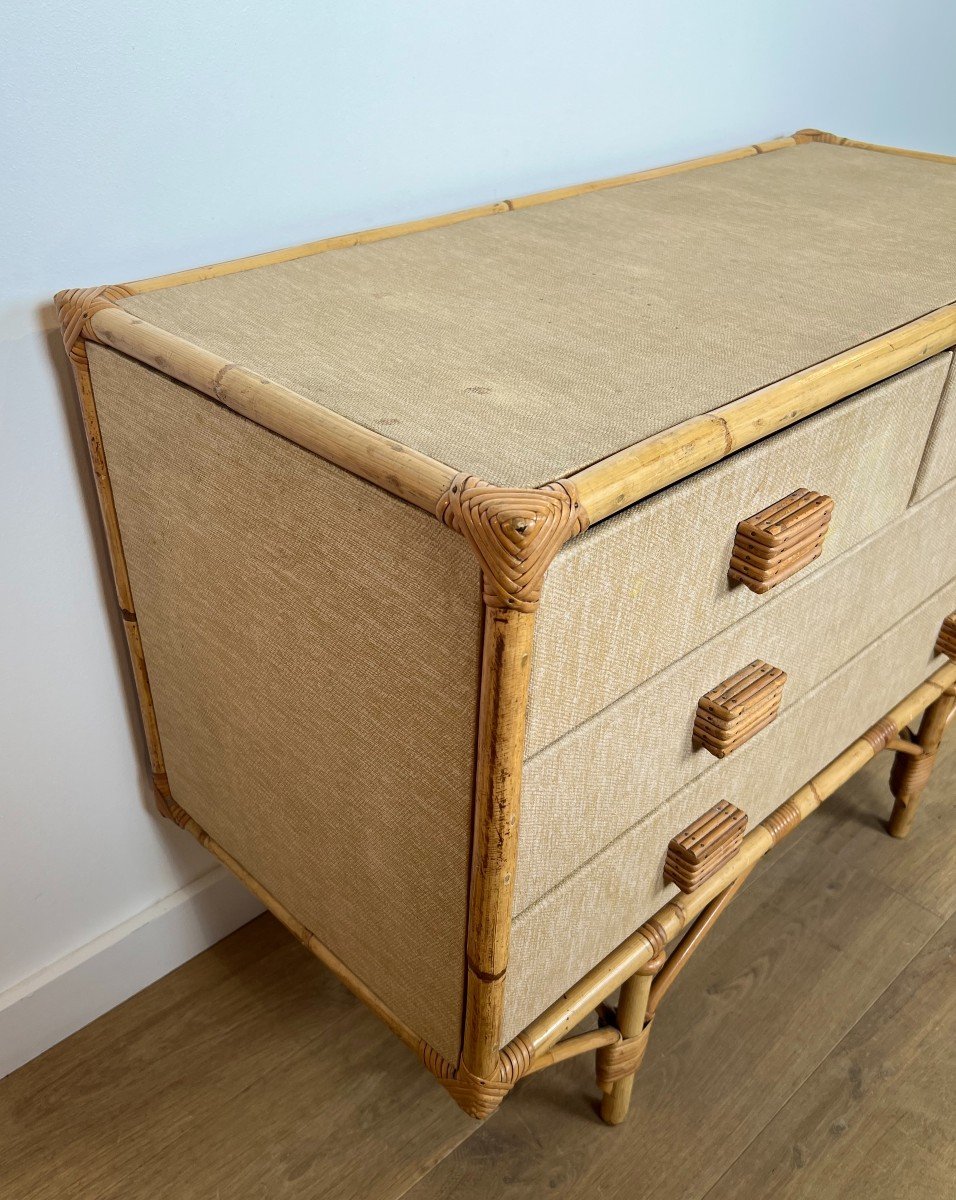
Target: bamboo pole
(365, 237)
(506, 669)
(571, 1047)
(819, 135)
(124, 592)
(396, 468)
(631, 1014)
(629, 475)
(647, 941)
(606, 486)
(304, 935)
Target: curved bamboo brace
(681, 954)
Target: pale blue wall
(139, 138)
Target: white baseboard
(40, 1011)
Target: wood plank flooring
(809, 1050)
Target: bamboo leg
(910, 775)
(631, 1011)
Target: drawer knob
(946, 642)
(703, 847)
(780, 540)
(732, 712)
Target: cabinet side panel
(313, 647)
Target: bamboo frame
(538, 522)
(76, 351)
(364, 237)
(819, 135)
(604, 487)
(403, 472)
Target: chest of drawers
(498, 594)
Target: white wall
(139, 138)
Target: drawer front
(598, 780)
(568, 931)
(939, 460)
(638, 591)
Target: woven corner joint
(732, 712)
(780, 540)
(75, 307)
(703, 847)
(946, 642)
(514, 532)
(479, 1098)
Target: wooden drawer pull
(696, 853)
(732, 712)
(780, 540)
(946, 642)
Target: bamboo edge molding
(515, 534)
(604, 487)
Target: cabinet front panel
(598, 780)
(639, 590)
(569, 930)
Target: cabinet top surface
(525, 346)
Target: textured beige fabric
(599, 779)
(573, 927)
(313, 650)
(939, 459)
(644, 587)
(523, 346)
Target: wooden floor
(809, 1050)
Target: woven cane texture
(939, 460)
(313, 650)
(568, 931)
(598, 780)
(639, 590)
(523, 346)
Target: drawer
(568, 931)
(939, 459)
(590, 785)
(641, 589)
